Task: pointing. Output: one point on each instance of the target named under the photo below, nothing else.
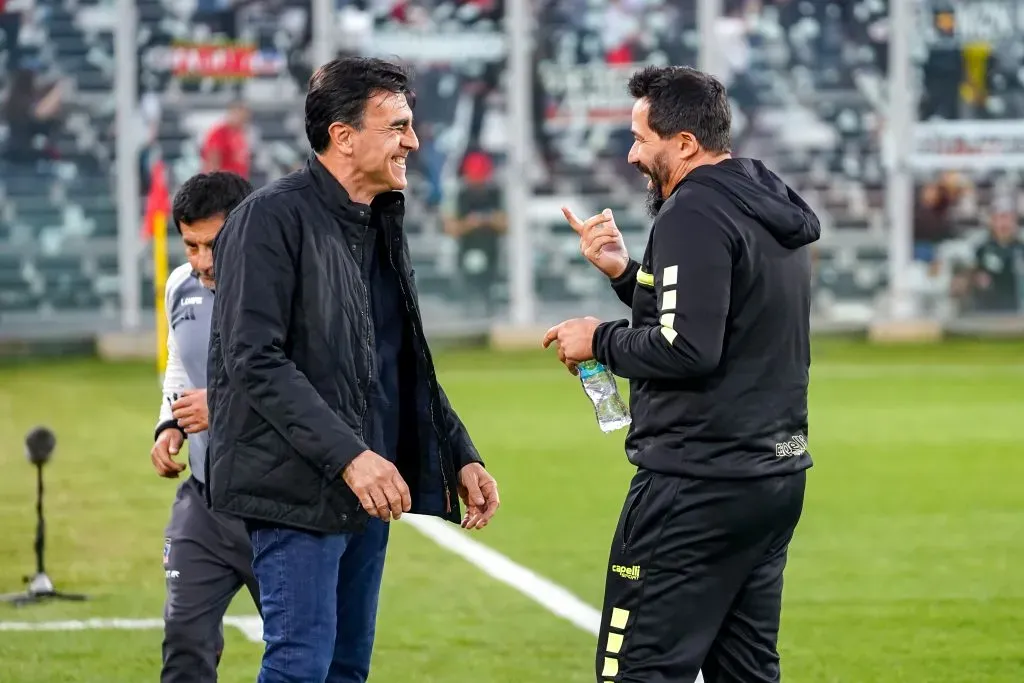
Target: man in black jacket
(326, 416)
(717, 356)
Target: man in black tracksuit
(326, 416)
(717, 356)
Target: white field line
(251, 627)
(550, 596)
(547, 594)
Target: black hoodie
(719, 349)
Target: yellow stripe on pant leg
(618, 621)
(611, 667)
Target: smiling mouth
(398, 161)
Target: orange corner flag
(158, 201)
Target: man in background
(207, 555)
(328, 420)
(717, 354)
(999, 263)
(935, 213)
(477, 226)
(226, 147)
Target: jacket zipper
(430, 382)
(369, 363)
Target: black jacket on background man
(292, 372)
(718, 354)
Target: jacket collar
(339, 202)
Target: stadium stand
(807, 79)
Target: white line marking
(251, 627)
(83, 625)
(547, 594)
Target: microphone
(39, 444)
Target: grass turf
(906, 566)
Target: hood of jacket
(763, 196)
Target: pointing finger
(574, 222)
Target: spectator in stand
(477, 225)
(31, 110)
(226, 147)
(999, 263)
(934, 213)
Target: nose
(633, 157)
(411, 142)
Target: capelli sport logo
(630, 573)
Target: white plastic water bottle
(600, 387)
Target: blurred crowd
(806, 78)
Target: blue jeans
(319, 596)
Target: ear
(341, 135)
(688, 145)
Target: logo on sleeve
(183, 315)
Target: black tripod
(40, 587)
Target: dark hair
(207, 195)
(339, 90)
(685, 99)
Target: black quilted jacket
(291, 356)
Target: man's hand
(191, 412)
(600, 242)
(575, 340)
(167, 445)
(380, 488)
(479, 493)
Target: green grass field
(908, 565)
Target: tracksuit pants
(694, 580)
(207, 560)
